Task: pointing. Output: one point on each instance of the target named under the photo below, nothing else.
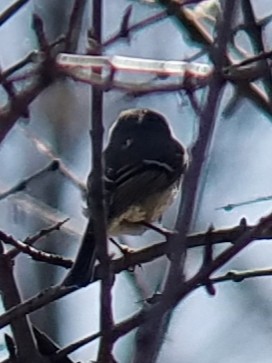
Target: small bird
(144, 164)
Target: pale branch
(239, 276)
(231, 206)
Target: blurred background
(233, 326)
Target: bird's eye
(126, 144)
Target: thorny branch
(45, 74)
(34, 252)
(141, 256)
(9, 12)
(191, 186)
(199, 279)
(99, 206)
(29, 241)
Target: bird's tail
(82, 270)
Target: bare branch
(256, 39)
(34, 252)
(11, 10)
(74, 28)
(33, 239)
(25, 344)
(52, 166)
(189, 286)
(99, 207)
(144, 255)
(135, 27)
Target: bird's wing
(136, 184)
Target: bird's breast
(148, 211)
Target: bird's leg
(164, 231)
(124, 249)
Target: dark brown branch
(10, 113)
(37, 25)
(20, 64)
(239, 276)
(191, 185)
(44, 76)
(12, 253)
(74, 28)
(52, 166)
(38, 301)
(34, 253)
(121, 329)
(98, 205)
(256, 39)
(6, 14)
(21, 329)
(135, 27)
(141, 256)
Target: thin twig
(135, 27)
(21, 328)
(144, 255)
(239, 276)
(12, 253)
(189, 286)
(34, 253)
(256, 39)
(6, 14)
(199, 34)
(62, 168)
(175, 276)
(38, 301)
(22, 185)
(72, 36)
(38, 27)
(12, 112)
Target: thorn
(164, 231)
(210, 288)
(124, 28)
(10, 345)
(243, 223)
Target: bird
(143, 168)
